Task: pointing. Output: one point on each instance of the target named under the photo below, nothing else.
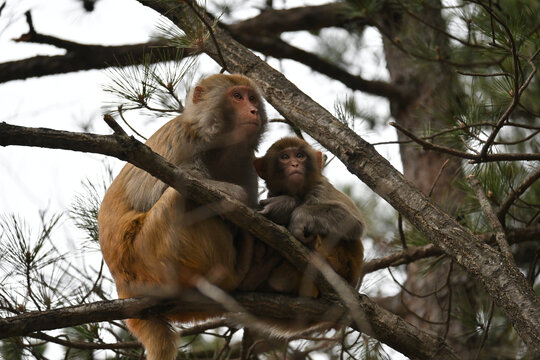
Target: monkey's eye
(237, 95)
(252, 98)
(284, 156)
(300, 155)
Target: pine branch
(409, 255)
(474, 158)
(515, 194)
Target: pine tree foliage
(461, 81)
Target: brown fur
(333, 222)
(157, 241)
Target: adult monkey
(154, 239)
(314, 211)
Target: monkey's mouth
(251, 123)
(296, 173)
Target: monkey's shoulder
(327, 195)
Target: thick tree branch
(281, 50)
(507, 286)
(131, 150)
(85, 57)
(310, 18)
(275, 306)
(382, 323)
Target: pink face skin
(245, 104)
(293, 163)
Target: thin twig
(513, 195)
(211, 32)
(121, 113)
(114, 125)
(494, 222)
(461, 154)
(449, 310)
(401, 232)
(437, 177)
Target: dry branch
(422, 345)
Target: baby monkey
(314, 211)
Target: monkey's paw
(278, 208)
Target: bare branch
(280, 49)
(492, 219)
(310, 18)
(86, 57)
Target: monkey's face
(244, 118)
(293, 164)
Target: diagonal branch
(507, 286)
(494, 222)
(281, 50)
(187, 183)
(515, 194)
(382, 324)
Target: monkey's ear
(198, 93)
(260, 168)
(320, 159)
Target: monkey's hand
(330, 221)
(306, 224)
(278, 208)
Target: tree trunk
(432, 87)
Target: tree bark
(429, 94)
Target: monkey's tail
(157, 336)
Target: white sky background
(33, 179)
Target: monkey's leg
(157, 336)
(180, 241)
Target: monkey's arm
(198, 168)
(279, 208)
(330, 220)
